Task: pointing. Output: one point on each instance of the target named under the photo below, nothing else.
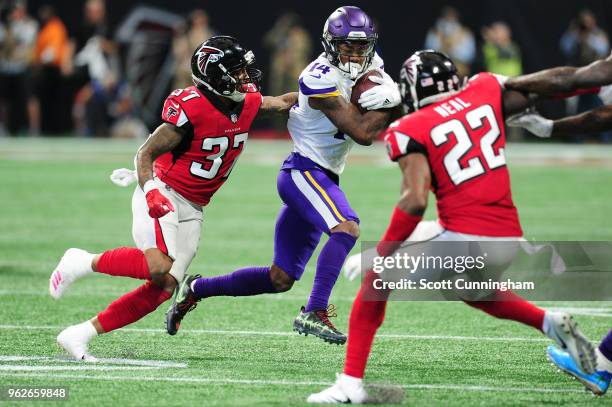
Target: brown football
(363, 84)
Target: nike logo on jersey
(316, 76)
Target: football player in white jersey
(323, 125)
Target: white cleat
(74, 264)
(75, 339)
(346, 390)
(564, 331)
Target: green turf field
(56, 194)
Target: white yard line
(287, 333)
(259, 382)
(112, 361)
(58, 368)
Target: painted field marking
(101, 361)
(288, 333)
(260, 382)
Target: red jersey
(464, 140)
(215, 137)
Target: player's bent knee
(281, 280)
(351, 227)
(159, 264)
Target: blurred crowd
(46, 67)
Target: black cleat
(184, 301)
(318, 324)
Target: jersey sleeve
(173, 111)
(318, 80)
(377, 62)
(400, 144)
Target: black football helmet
(221, 65)
(426, 77)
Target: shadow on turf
(379, 393)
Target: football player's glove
(532, 121)
(383, 96)
(158, 204)
(123, 177)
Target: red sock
(508, 305)
(125, 262)
(132, 306)
(366, 317)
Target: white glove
(383, 96)
(532, 121)
(123, 177)
(352, 267)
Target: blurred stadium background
(102, 68)
(104, 73)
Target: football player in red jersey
(452, 144)
(179, 168)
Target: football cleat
(597, 382)
(564, 330)
(346, 390)
(74, 340)
(75, 263)
(184, 301)
(318, 324)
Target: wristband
(148, 186)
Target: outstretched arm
(564, 79)
(277, 105)
(363, 128)
(593, 121)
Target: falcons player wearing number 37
(453, 143)
(179, 168)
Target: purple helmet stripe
(310, 91)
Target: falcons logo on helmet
(411, 69)
(207, 54)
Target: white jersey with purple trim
(314, 135)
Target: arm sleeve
(174, 112)
(400, 144)
(318, 82)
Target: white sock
(546, 323)
(89, 258)
(350, 380)
(86, 329)
(603, 363)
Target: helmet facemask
(352, 55)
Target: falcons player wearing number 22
(179, 168)
(453, 143)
